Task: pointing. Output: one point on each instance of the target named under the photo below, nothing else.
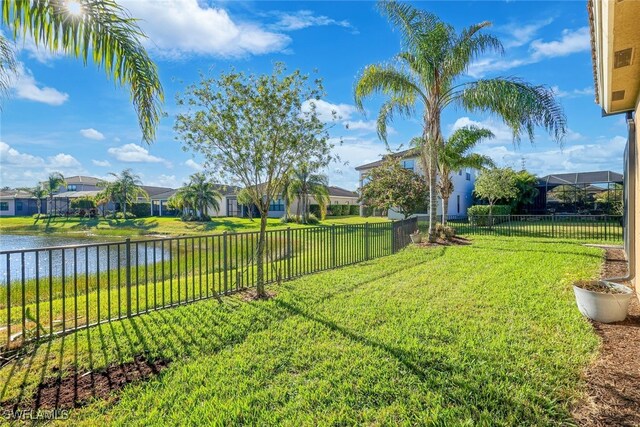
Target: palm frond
(521, 105)
(8, 64)
(413, 23)
(104, 32)
(395, 105)
(386, 79)
(468, 46)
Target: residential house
(19, 203)
(228, 203)
(463, 181)
(615, 43)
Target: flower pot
(604, 307)
(416, 238)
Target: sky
(63, 116)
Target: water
(40, 262)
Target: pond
(49, 255)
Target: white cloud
(193, 165)
(326, 110)
(304, 19)
(163, 180)
(62, 161)
(132, 153)
(572, 41)
(603, 155)
(190, 27)
(92, 134)
(521, 34)
(101, 163)
(368, 125)
(25, 86)
(11, 156)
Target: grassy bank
(486, 334)
(152, 226)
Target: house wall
(11, 207)
(634, 258)
(463, 187)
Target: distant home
(463, 180)
(19, 203)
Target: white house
(463, 182)
(228, 203)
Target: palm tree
(100, 30)
(51, 187)
(39, 193)
(305, 183)
(201, 195)
(426, 74)
(125, 189)
(454, 155)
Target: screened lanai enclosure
(584, 193)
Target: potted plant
(416, 237)
(603, 301)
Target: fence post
(366, 241)
(333, 244)
(553, 225)
(289, 252)
(128, 273)
(224, 260)
(605, 227)
(393, 236)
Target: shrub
(445, 232)
(311, 219)
(315, 210)
(479, 214)
(82, 203)
(121, 215)
(354, 210)
(141, 210)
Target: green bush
(315, 210)
(354, 210)
(479, 214)
(141, 210)
(82, 203)
(338, 210)
(297, 219)
(445, 232)
(121, 215)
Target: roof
(400, 154)
(15, 194)
(79, 179)
(152, 191)
(580, 178)
(594, 54)
(340, 192)
(224, 189)
(76, 194)
(165, 195)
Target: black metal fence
(48, 291)
(579, 227)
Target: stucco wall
(12, 207)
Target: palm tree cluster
(125, 190)
(302, 184)
(197, 196)
(51, 187)
(427, 74)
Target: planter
(416, 238)
(604, 307)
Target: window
(468, 175)
(18, 206)
(72, 187)
(408, 163)
(4, 206)
(276, 205)
(458, 200)
(460, 172)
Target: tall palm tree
(99, 30)
(305, 183)
(454, 155)
(125, 189)
(426, 75)
(201, 195)
(39, 193)
(52, 186)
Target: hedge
(141, 210)
(479, 214)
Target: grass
(153, 225)
(486, 334)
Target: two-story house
(463, 181)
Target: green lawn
(486, 334)
(153, 225)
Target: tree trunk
(260, 255)
(445, 209)
(39, 206)
(433, 140)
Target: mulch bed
(78, 389)
(454, 241)
(252, 295)
(613, 380)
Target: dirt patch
(613, 381)
(454, 241)
(77, 389)
(252, 295)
